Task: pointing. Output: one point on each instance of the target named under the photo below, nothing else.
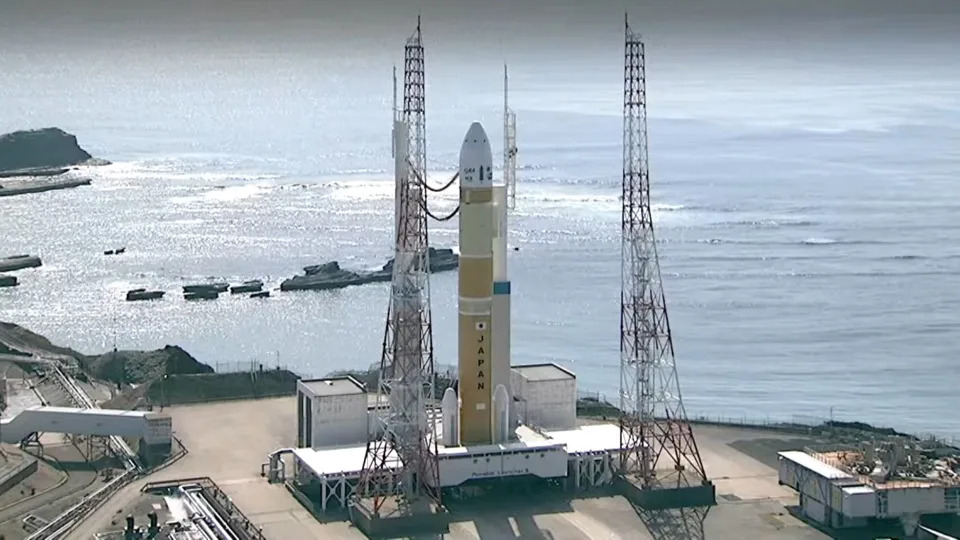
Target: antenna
(657, 443)
(395, 92)
(506, 88)
(509, 145)
(393, 123)
(401, 465)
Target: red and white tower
(400, 469)
(659, 450)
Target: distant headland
(38, 160)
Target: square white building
(545, 395)
(331, 412)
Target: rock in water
(40, 148)
(331, 276)
(19, 262)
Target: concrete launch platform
(332, 472)
(750, 502)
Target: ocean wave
(813, 241)
(761, 223)
(755, 276)
(225, 193)
(569, 199)
(920, 258)
(127, 171)
(531, 167)
(356, 172)
(818, 241)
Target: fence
(587, 395)
(808, 423)
(202, 388)
(247, 366)
(802, 423)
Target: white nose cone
(476, 159)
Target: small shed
(331, 412)
(546, 394)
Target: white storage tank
(548, 395)
(331, 412)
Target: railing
(80, 398)
(804, 423)
(247, 366)
(63, 523)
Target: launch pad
(551, 447)
(391, 457)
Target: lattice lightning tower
(654, 431)
(401, 466)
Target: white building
(335, 414)
(545, 396)
(331, 412)
(838, 499)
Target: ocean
(805, 203)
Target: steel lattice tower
(653, 423)
(401, 466)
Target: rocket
(475, 288)
(484, 303)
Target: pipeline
(423, 182)
(423, 202)
(204, 516)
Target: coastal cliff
(41, 160)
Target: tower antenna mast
(658, 447)
(509, 146)
(400, 463)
